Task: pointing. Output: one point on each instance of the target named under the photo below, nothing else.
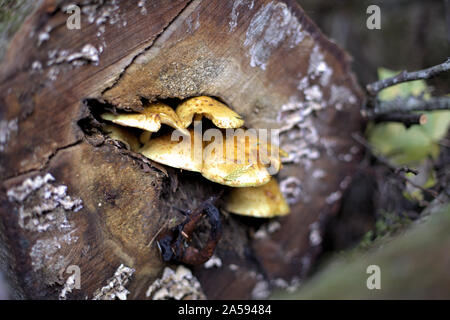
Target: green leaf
(437, 124)
(400, 145)
(408, 146)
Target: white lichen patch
(7, 130)
(292, 113)
(47, 208)
(315, 237)
(341, 96)
(291, 188)
(345, 182)
(41, 207)
(272, 26)
(214, 261)
(22, 191)
(115, 287)
(261, 290)
(235, 11)
(347, 157)
(300, 141)
(193, 22)
(233, 267)
(329, 144)
(102, 12)
(178, 285)
(318, 174)
(333, 197)
(42, 37)
(36, 66)
(265, 230)
(289, 286)
(298, 133)
(318, 68)
(53, 73)
(314, 94)
(69, 285)
(142, 5)
(44, 255)
(88, 54)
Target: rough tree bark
(265, 59)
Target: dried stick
(411, 103)
(408, 119)
(404, 76)
(394, 169)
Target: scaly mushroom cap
(185, 154)
(265, 201)
(150, 119)
(222, 116)
(236, 165)
(118, 133)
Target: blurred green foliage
(414, 265)
(408, 146)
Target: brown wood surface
(253, 55)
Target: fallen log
(70, 197)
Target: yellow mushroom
(265, 201)
(234, 162)
(270, 155)
(118, 133)
(167, 149)
(242, 160)
(222, 116)
(150, 119)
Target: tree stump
(71, 198)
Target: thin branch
(397, 171)
(408, 119)
(164, 226)
(404, 76)
(411, 103)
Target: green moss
(388, 225)
(414, 265)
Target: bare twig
(407, 119)
(164, 226)
(397, 171)
(411, 103)
(407, 170)
(404, 76)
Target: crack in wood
(47, 161)
(119, 77)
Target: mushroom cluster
(242, 161)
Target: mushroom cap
(270, 155)
(150, 119)
(185, 154)
(118, 133)
(265, 201)
(234, 162)
(234, 175)
(244, 161)
(222, 116)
